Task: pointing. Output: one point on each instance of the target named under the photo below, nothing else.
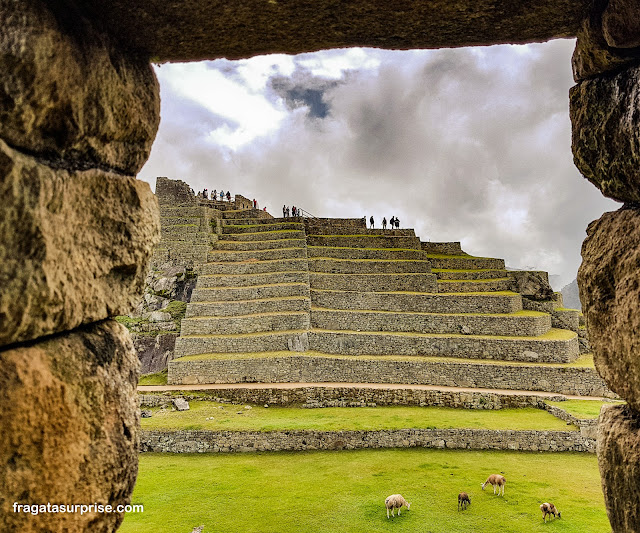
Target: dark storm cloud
(465, 144)
(302, 89)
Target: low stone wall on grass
(190, 441)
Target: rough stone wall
(605, 111)
(78, 114)
(303, 440)
(319, 396)
(309, 369)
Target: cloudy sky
(470, 145)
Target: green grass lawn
(159, 378)
(583, 408)
(237, 418)
(344, 492)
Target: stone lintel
(190, 30)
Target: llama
(549, 509)
(463, 501)
(395, 501)
(496, 480)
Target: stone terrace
(286, 291)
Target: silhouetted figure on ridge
(371, 221)
(384, 222)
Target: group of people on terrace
(214, 195)
(294, 212)
(394, 222)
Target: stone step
(349, 230)
(260, 245)
(556, 346)
(250, 280)
(264, 236)
(418, 302)
(367, 266)
(519, 324)
(179, 221)
(366, 253)
(246, 307)
(250, 323)
(477, 285)
(464, 262)
(468, 274)
(256, 255)
(250, 293)
(230, 229)
(566, 319)
(185, 233)
(442, 248)
(254, 267)
(380, 282)
(316, 367)
(186, 211)
(184, 247)
(364, 241)
(292, 340)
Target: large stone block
(74, 246)
(605, 136)
(69, 94)
(609, 281)
(618, 449)
(593, 55)
(70, 428)
(621, 23)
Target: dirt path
(221, 386)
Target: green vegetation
(344, 492)
(176, 309)
(583, 361)
(583, 408)
(237, 418)
(159, 378)
(131, 322)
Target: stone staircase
(346, 297)
(252, 295)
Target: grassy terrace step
(554, 346)
(256, 221)
(348, 230)
(464, 262)
(364, 241)
(452, 274)
(522, 323)
(254, 267)
(367, 266)
(220, 416)
(507, 302)
(248, 280)
(475, 285)
(233, 308)
(380, 282)
(250, 293)
(256, 255)
(264, 235)
(239, 343)
(249, 323)
(245, 227)
(260, 245)
(343, 252)
(578, 377)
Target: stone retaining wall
(275, 234)
(334, 319)
(367, 266)
(364, 241)
(355, 396)
(418, 303)
(381, 282)
(444, 248)
(365, 253)
(189, 441)
(310, 369)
